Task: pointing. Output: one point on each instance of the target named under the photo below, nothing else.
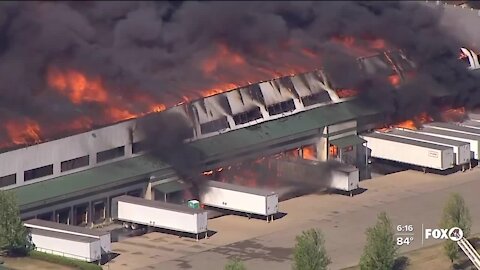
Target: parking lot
(409, 197)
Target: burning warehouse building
(310, 115)
(74, 178)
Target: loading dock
(99, 211)
(63, 216)
(81, 213)
(46, 216)
(171, 191)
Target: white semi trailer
(453, 127)
(422, 154)
(470, 124)
(239, 198)
(133, 211)
(474, 117)
(460, 148)
(473, 140)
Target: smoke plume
(164, 135)
(168, 50)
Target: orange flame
(414, 123)
(309, 152)
(76, 86)
(223, 56)
(345, 93)
(333, 150)
(454, 114)
(394, 79)
(408, 124)
(23, 132)
(378, 44)
(219, 89)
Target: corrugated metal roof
(172, 186)
(220, 146)
(347, 141)
(63, 187)
(282, 129)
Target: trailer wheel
(126, 225)
(351, 194)
(134, 226)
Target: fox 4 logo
(454, 234)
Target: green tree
(309, 252)
(455, 214)
(381, 250)
(235, 264)
(14, 237)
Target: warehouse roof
(172, 186)
(63, 187)
(347, 141)
(283, 129)
(221, 146)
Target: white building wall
(54, 152)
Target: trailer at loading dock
(460, 149)
(470, 124)
(135, 211)
(474, 117)
(103, 236)
(239, 198)
(345, 177)
(422, 154)
(473, 140)
(453, 127)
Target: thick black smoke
(159, 47)
(165, 134)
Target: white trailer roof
(470, 123)
(60, 235)
(50, 225)
(405, 141)
(453, 127)
(256, 191)
(451, 133)
(474, 116)
(421, 136)
(159, 204)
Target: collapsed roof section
(257, 103)
(268, 100)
